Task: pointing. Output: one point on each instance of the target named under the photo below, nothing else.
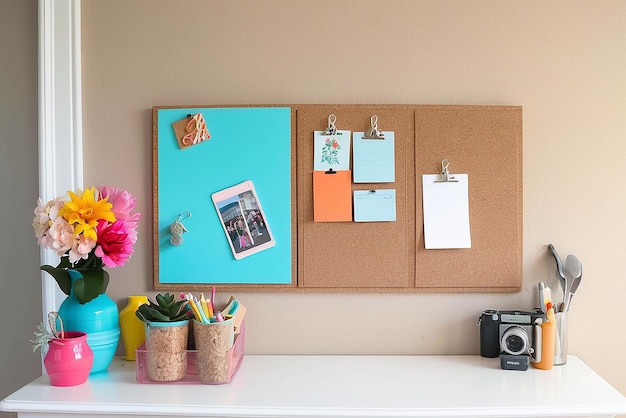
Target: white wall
(564, 62)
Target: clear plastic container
(560, 349)
(232, 362)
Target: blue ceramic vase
(99, 319)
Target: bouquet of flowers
(93, 229)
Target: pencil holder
(166, 350)
(213, 342)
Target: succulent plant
(166, 309)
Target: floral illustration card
(331, 151)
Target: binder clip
(445, 176)
(374, 133)
(332, 129)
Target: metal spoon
(559, 267)
(574, 268)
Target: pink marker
(219, 317)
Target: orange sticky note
(332, 196)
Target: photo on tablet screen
(243, 220)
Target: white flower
(81, 247)
(60, 236)
(45, 215)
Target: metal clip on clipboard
(445, 176)
(373, 132)
(332, 129)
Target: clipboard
(374, 155)
(446, 210)
(332, 197)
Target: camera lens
(515, 341)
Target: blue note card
(375, 205)
(373, 159)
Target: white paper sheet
(446, 212)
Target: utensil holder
(560, 340)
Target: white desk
(336, 386)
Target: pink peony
(123, 202)
(115, 244)
(131, 224)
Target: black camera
(514, 336)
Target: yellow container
(132, 328)
(548, 330)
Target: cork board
(484, 142)
(368, 255)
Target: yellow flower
(83, 213)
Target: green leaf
(150, 314)
(163, 309)
(61, 276)
(169, 298)
(161, 300)
(175, 309)
(93, 283)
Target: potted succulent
(167, 328)
(67, 356)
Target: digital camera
(514, 336)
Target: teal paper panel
(246, 144)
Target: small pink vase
(69, 359)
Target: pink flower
(115, 243)
(123, 202)
(131, 224)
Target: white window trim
(60, 116)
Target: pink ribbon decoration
(196, 131)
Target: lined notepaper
(373, 159)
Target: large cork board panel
(483, 141)
(486, 143)
(351, 255)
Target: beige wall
(20, 283)
(563, 61)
